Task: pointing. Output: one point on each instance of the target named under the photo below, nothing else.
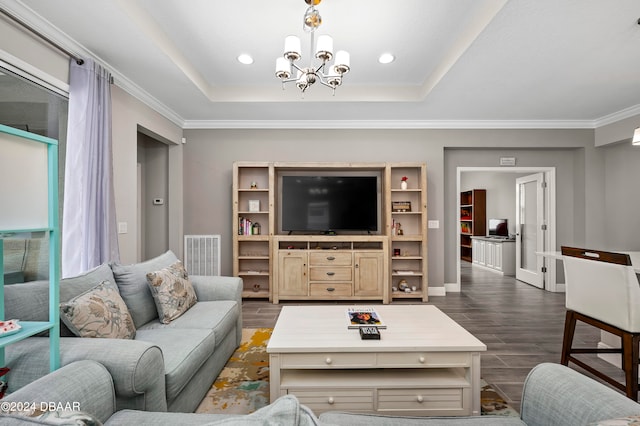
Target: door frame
(550, 282)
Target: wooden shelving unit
(402, 241)
(253, 187)
(407, 229)
(473, 220)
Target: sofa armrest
(137, 367)
(83, 386)
(557, 395)
(217, 288)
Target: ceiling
(459, 63)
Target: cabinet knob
(331, 258)
(331, 273)
(420, 399)
(330, 400)
(421, 359)
(331, 289)
(328, 360)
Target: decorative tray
(9, 327)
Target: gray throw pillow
(132, 283)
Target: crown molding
(617, 116)
(388, 124)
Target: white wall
(131, 116)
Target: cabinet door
(497, 256)
(292, 273)
(479, 252)
(368, 278)
(476, 250)
(490, 255)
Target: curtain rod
(78, 59)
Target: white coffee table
(424, 364)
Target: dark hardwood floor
(521, 325)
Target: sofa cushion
(30, 301)
(220, 316)
(172, 291)
(99, 312)
(184, 352)
(132, 283)
(286, 410)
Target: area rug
(243, 385)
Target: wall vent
(202, 254)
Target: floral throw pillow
(99, 312)
(620, 421)
(56, 417)
(172, 291)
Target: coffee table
(424, 364)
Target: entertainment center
(330, 231)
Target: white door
(530, 224)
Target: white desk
(634, 255)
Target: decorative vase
(403, 184)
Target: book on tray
(364, 317)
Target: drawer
(424, 359)
(327, 360)
(440, 401)
(330, 258)
(330, 289)
(327, 400)
(327, 273)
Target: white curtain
(89, 235)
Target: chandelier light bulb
(292, 49)
(324, 48)
(283, 68)
(342, 63)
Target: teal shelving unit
(29, 194)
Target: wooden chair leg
(630, 353)
(567, 340)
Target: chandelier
(324, 73)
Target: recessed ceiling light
(245, 59)
(386, 58)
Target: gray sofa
(166, 367)
(553, 395)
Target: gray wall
(622, 197)
(209, 154)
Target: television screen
(499, 227)
(329, 203)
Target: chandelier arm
(293, 64)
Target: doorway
(152, 195)
(548, 273)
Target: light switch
(433, 224)
(122, 228)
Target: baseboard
(437, 291)
(451, 288)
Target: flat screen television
(499, 227)
(329, 203)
